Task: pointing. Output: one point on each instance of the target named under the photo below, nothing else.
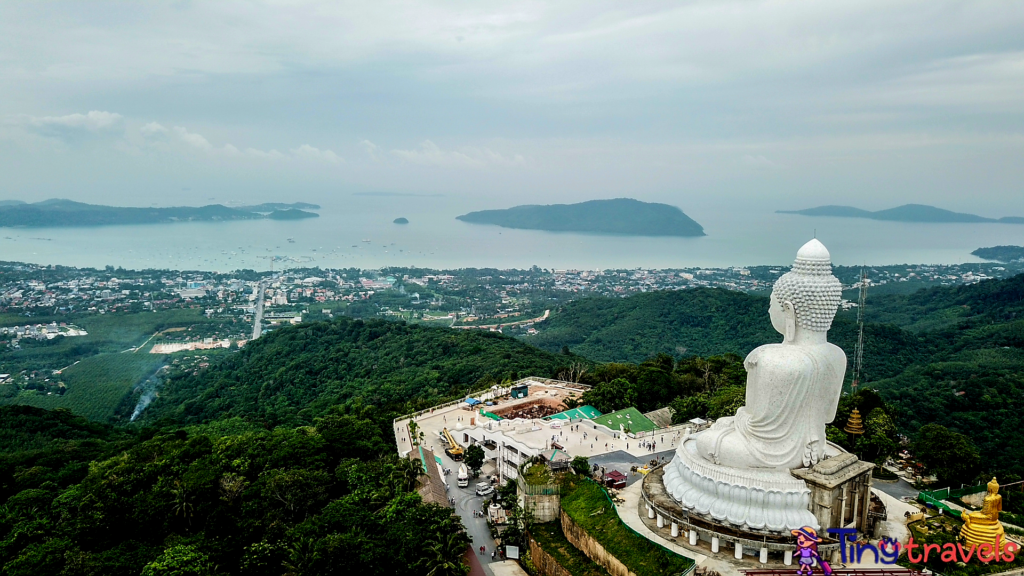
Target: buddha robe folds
(792, 392)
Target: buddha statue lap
(738, 470)
(984, 527)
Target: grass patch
(538, 475)
(553, 541)
(96, 385)
(588, 505)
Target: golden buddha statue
(984, 527)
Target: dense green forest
(222, 499)
(278, 459)
(292, 375)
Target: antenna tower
(858, 356)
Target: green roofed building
(629, 418)
(586, 412)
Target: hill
(618, 216)
(990, 301)
(66, 213)
(303, 370)
(905, 213)
(698, 322)
(1001, 253)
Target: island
(271, 206)
(291, 214)
(905, 213)
(623, 216)
(1001, 253)
(401, 220)
(60, 213)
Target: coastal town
(461, 298)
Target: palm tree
(404, 474)
(444, 557)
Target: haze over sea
(434, 239)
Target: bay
(357, 232)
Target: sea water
(358, 232)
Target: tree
(509, 493)
(474, 458)
(444, 556)
(690, 407)
(949, 455)
(878, 443)
(581, 465)
(179, 560)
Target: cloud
(310, 153)
(430, 154)
(94, 120)
(372, 149)
(158, 134)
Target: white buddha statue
(737, 471)
(792, 388)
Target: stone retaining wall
(545, 563)
(579, 538)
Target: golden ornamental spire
(854, 424)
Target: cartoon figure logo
(807, 552)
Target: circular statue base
(693, 527)
(760, 501)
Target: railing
(685, 524)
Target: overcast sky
(774, 104)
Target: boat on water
(366, 240)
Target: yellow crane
(454, 450)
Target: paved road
(898, 490)
(466, 501)
(257, 324)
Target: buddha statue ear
(790, 314)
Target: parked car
(484, 489)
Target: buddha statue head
(993, 486)
(806, 298)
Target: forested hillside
(696, 322)
(932, 308)
(294, 374)
(223, 499)
(700, 322)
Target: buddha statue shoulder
(984, 526)
(793, 387)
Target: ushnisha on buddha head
(805, 299)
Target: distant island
(271, 206)
(66, 213)
(401, 221)
(905, 213)
(1001, 253)
(618, 216)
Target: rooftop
(629, 418)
